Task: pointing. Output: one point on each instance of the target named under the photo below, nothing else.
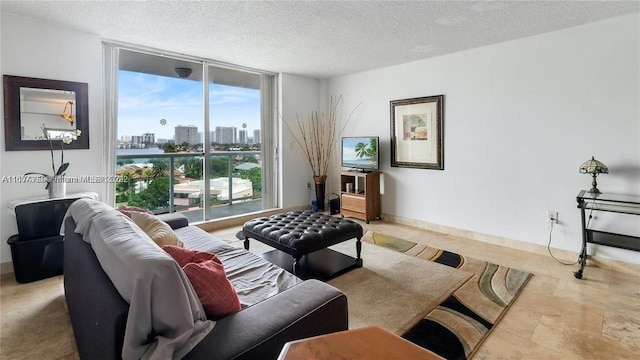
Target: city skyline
(145, 99)
(221, 134)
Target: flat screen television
(361, 153)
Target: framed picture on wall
(416, 133)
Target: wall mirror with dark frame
(38, 109)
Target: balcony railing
(234, 187)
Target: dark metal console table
(622, 204)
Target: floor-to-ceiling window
(187, 145)
(235, 159)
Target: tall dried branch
(318, 135)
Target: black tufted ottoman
(306, 234)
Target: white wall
(36, 49)
(519, 119)
(298, 97)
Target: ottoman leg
(246, 243)
(358, 251)
(296, 264)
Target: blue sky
(144, 99)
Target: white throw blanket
(164, 307)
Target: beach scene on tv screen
(360, 152)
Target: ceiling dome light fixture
(183, 72)
(69, 117)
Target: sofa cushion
(158, 230)
(206, 273)
(253, 278)
(127, 210)
(174, 220)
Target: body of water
(143, 153)
(148, 151)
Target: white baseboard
(491, 239)
(617, 265)
(6, 268)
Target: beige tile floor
(555, 317)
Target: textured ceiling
(317, 38)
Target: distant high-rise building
(256, 137)
(149, 138)
(161, 141)
(186, 134)
(226, 135)
(242, 137)
(136, 139)
(125, 138)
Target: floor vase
(320, 182)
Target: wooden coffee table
(364, 343)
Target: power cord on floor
(549, 246)
(549, 243)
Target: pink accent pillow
(206, 273)
(127, 210)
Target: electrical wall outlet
(552, 216)
(308, 185)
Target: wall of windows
(190, 135)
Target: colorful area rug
(456, 328)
